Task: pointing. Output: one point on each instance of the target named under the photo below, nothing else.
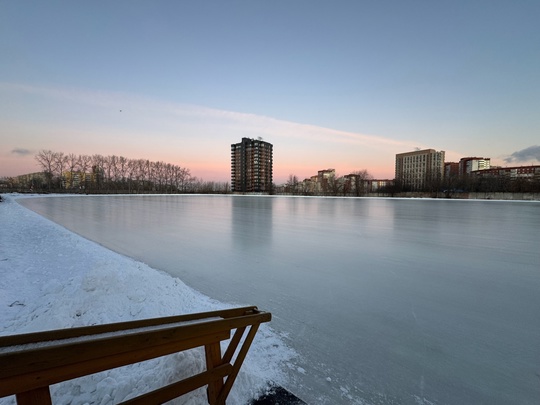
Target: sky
(342, 84)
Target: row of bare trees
(107, 174)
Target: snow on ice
(52, 278)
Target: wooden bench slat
(175, 390)
(26, 338)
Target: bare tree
(168, 178)
(97, 171)
(84, 162)
(123, 167)
(332, 185)
(60, 163)
(71, 165)
(132, 173)
(159, 176)
(144, 173)
(116, 173)
(113, 171)
(46, 160)
(292, 184)
(361, 179)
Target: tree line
(117, 174)
(492, 183)
(358, 183)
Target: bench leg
(213, 359)
(39, 396)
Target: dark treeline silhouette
(493, 183)
(115, 174)
(473, 184)
(358, 184)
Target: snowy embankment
(52, 278)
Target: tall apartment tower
(251, 166)
(420, 170)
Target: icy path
(52, 278)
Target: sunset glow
(330, 87)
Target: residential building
(420, 169)
(326, 179)
(31, 181)
(77, 179)
(512, 173)
(358, 185)
(251, 166)
(309, 185)
(325, 182)
(451, 169)
(378, 185)
(471, 164)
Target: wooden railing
(30, 363)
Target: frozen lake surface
(387, 301)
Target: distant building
(77, 179)
(378, 185)
(357, 185)
(471, 164)
(310, 185)
(324, 177)
(251, 166)
(325, 182)
(31, 181)
(451, 169)
(420, 169)
(512, 173)
(325, 174)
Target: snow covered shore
(52, 278)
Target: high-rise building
(419, 170)
(251, 166)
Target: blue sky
(344, 84)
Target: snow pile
(52, 278)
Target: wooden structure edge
(30, 363)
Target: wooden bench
(30, 363)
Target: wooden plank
(26, 338)
(41, 396)
(175, 390)
(237, 364)
(233, 345)
(213, 360)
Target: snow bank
(52, 278)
